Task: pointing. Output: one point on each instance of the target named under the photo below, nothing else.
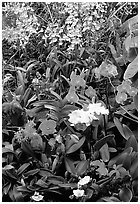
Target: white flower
(84, 181)
(37, 197)
(78, 193)
(87, 115)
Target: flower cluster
(80, 192)
(92, 112)
(106, 70)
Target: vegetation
(70, 102)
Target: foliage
(70, 102)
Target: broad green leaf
(76, 146)
(23, 189)
(42, 183)
(45, 172)
(119, 126)
(127, 132)
(82, 167)
(102, 141)
(22, 168)
(31, 172)
(131, 70)
(70, 166)
(119, 159)
(132, 142)
(104, 152)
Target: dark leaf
(134, 169)
(18, 195)
(132, 142)
(23, 168)
(82, 167)
(23, 189)
(102, 141)
(121, 157)
(26, 147)
(31, 172)
(119, 126)
(104, 151)
(76, 146)
(70, 166)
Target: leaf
(27, 149)
(136, 101)
(108, 199)
(133, 116)
(76, 146)
(89, 193)
(127, 132)
(121, 157)
(55, 180)
(132, 142)
(113, 50)
(18, 195)
(23, 189)
(70, 166)
(8, 167)
(104, 151)
(31, 172)
(42, 183)
(6, 188)
(119, 126)
(45, 172)
(131, 70)
(68, 185)
(23, 168)
(127, 43)
(7, 150)
(102, 141)
(82, 167)
(134, 169)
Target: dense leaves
(70, 101)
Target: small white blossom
(84, 181)
(78, 193)
(87, 116)
(36, 197)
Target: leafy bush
(70, 102)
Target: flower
(48, 126)
(84, 181)
(87, 115)
(78, 193)
(37, 197)
(106, 69)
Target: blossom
(48, 126)
(84, 181)
(87, 115)
(78, 193)
(106, 70)
(37, 197)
